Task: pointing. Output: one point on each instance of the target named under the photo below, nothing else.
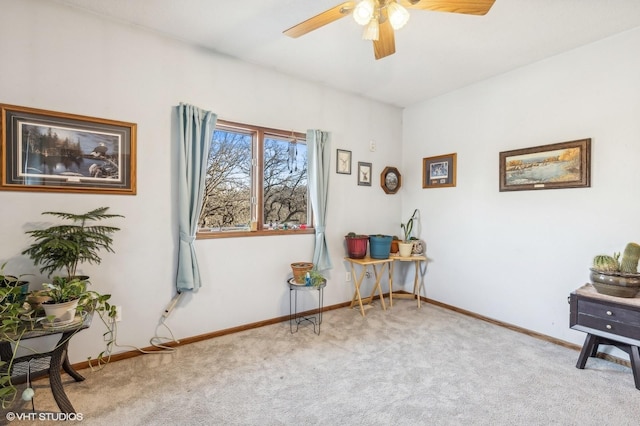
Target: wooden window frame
(257, 184)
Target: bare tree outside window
(285, 182)
(255, 174)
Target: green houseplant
(10, 323)
(316, 278)
(63, 247)
(10, 281)
(60, 248)
(405, 246)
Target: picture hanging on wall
(439, 171)
(559, 165)
(343, 161)
(390, 180)
(364, 174)
(58, 152)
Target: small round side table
(297, 317)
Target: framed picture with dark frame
(439, 171)
(59, 152)
(343, 161)
(390, 180)
(364, 174)
(558, 165)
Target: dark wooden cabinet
(607, 320)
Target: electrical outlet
(368, 274)
(347, 277)
(118, 317)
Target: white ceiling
(435, 52)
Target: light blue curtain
(196, 132)
(319, 157)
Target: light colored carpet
(405, 366)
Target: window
(255, 175)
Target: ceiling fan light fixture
(364, 11)
(398, 15)
(372, 30)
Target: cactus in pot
(606, 263)
(630, 257)
(613, 276)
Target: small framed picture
(390, 180)
(343, 162)
(439, 171)
(364, 174)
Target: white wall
(60, 59)
(511, 256)
(516, 256)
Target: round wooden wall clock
(390, 180)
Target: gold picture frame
(58, 152)
(439, 171)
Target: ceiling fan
(381, 17)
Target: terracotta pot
(300, 270)
(36, 299)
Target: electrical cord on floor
(155, 341)
(157, 338)
(158, 342)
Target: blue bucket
(380, 246)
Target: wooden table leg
(416, 286)
(634, 357)
(357, 282)
(376, 286)
(378, 278)
(589, 349)
(391, 284)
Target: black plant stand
(314, 317)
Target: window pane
(285, 181)
(227, 199)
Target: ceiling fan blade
(469, 7)
(385, 45)
(322, 19)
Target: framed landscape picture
(59, 152)
(559, 165)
